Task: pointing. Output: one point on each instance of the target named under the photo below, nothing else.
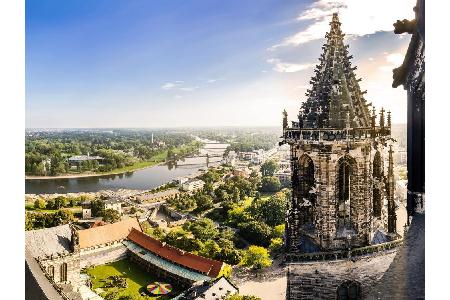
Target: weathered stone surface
(320, 280)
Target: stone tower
(341, 161)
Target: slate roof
(108, 233)
(191, 261)
(48, 241)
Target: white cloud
(358, 17)
(394, 60)
(178, 86)
(189, 88)
(172, 85)
(284, 67)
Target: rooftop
(108, 233)
(48, 241)
(191, 261)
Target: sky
(178, 63)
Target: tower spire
(334, 89)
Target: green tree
(275, 244)
(60, 217)
(270, 184)
(39, 203)
(270, 210)
(256, 257)
(110, 215)
(278, 231)
(256, 232)
(204, 202)
(203, 229)
(97, 208)
(269, 168)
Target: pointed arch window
(63, 272)
(307, 181)
(344, 182)
(349, 290)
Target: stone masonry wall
(103, 255)
(326, 164)
(320, 280)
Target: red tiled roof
(200, 264)
(107, 233)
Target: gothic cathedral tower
(341, 161)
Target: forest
(47, 153)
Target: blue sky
(172, 63)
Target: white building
(86, 210)
(192, 185)
(217, 289)
(114, 203)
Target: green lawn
(30, 207)
(137, 280)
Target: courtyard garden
(123, 280)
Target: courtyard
(136, 278)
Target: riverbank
(135, 167)
(156, 160)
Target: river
(143, 179)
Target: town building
(342, 205)
(284, 176)
(243, 172)
(114, 203)
(214, 290)
(110, 203)
(192, 185)
(86, 210)
(78, 160)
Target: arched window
(63, 272)
(349, 290)
(377, 175)
(307, 178)
(344, 192)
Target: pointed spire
(334, 87)
(382, 117)
(389, 120)
(285, 120)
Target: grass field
(137, 280)
(30, 207)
